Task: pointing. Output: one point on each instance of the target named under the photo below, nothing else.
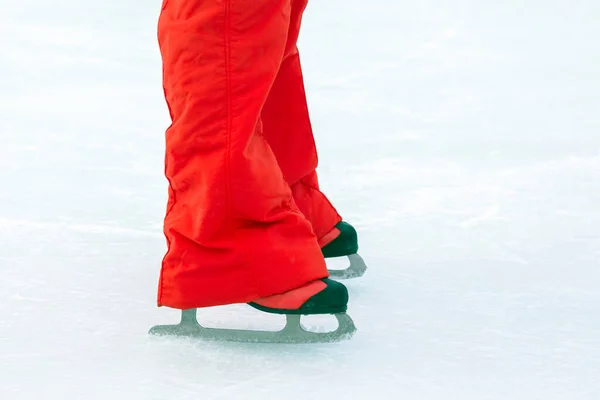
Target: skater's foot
(341, 241)
(323, 296)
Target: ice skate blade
(356, 269)
(292, 332)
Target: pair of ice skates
(331, 299)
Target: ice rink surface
(461, 138)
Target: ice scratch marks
(451, 209)
(421, 49)
(490, 213)
(22, 226)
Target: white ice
(462, 139)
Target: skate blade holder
(292, 332)
(356, 269)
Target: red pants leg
(233, 230)
(288, 131)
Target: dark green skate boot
(343, 242)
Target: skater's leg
(287, 129)
(233, 230)
(315, 206)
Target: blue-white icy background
(462, 138)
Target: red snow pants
(244, 212)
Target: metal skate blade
(356, 269)
(292, 332)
